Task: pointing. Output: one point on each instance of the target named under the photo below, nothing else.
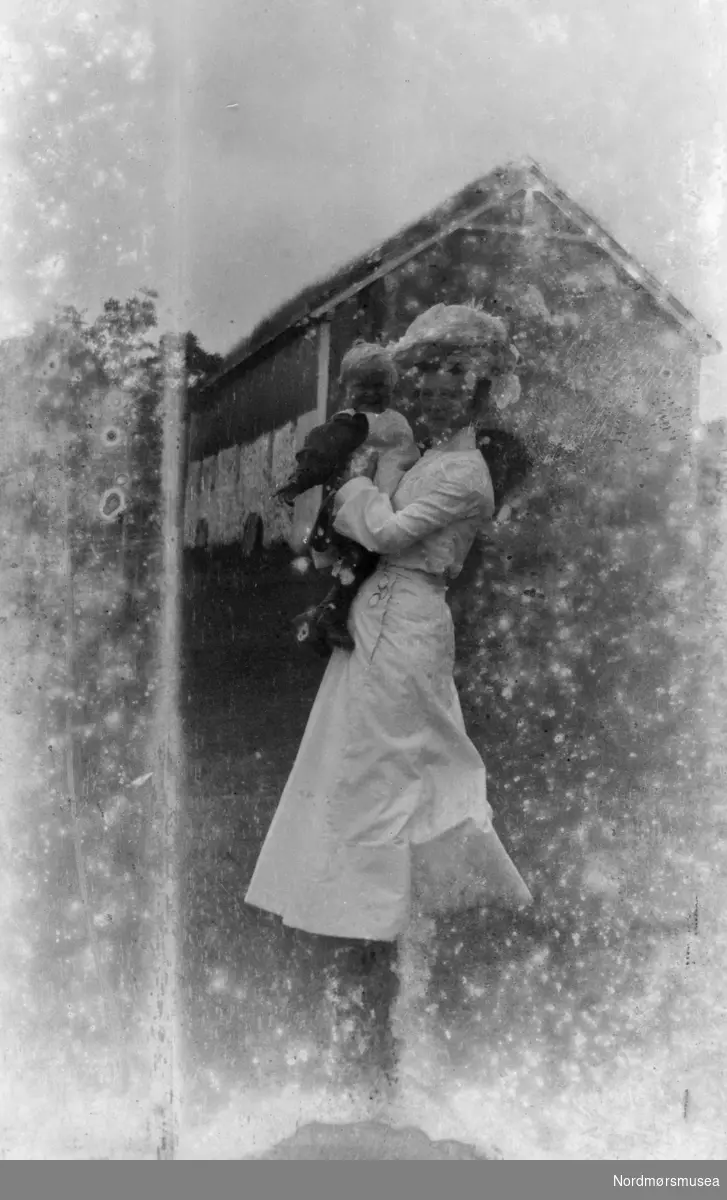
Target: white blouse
(431, 522)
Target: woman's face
(445, 401)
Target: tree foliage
(81, 487)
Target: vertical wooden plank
(324, 366)
(187, 419)
(165, 744)
(167, 767)
(389, 326)
(308, 505)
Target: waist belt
(394, 568)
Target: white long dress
(386, 805)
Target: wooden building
(599, 336)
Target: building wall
(243, 441)
(276, 388)
(224, 489)
(596, 351)
(602, 373)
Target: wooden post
(167, 777)
(186, 445)
(166, 741)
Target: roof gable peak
(473, 201)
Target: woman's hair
(368, 373)
(508, 461)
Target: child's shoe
(308, 632)
(338, 637)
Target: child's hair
(368, 375)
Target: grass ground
(527, 1020)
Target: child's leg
(308, 632)
(354, 567)
(325, 627)
(334, 615)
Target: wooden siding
(265, 397)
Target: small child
(367, 437)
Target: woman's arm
(366, 515)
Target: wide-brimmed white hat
(457, 335)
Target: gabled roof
(490, 192)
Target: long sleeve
(455, 493)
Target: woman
(385, 811)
